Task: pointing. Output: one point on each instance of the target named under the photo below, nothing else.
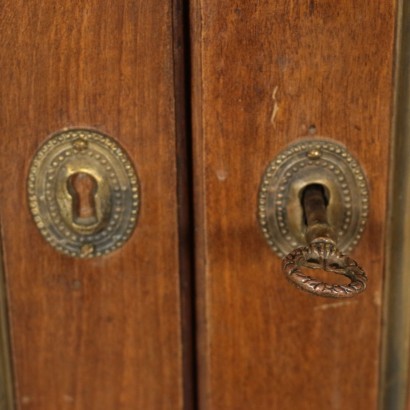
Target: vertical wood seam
(199, 191)
(7, 387)
(186, 246)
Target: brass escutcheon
(313, 206)
(83, 193)
(307, 162)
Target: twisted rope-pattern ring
(324, 255)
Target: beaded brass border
(298, 158)
(86, 148)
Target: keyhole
(314, 202)
(82, 188)
(315, 199)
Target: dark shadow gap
(184, 161)
(7, 393)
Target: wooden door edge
(395, 346)
(199, 195)
(7, 401)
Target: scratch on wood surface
(221, 174)
(377, 298)
(335, 305)
(68, 398)
(25, 400)
(275, 106)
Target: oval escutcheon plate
(306, 162)
(89, 223)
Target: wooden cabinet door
(103, 333)
(117, 332)
(267, 73)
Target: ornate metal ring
(324, 255)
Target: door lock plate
(307, 162)
(83, 193)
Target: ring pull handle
(321, 252)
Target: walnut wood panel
(267, 73)
(102, 333)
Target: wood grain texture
(102, 333)
(263, 73)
